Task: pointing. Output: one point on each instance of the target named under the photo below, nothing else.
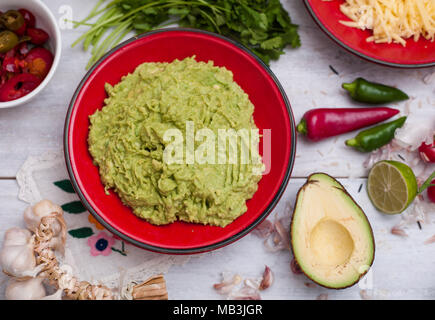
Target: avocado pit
(331, 243)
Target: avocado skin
(292, 225)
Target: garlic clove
(55, 296)
(51, 214)
(267, 280)
(16, 237)
(227, 284)
(46, 207)
(31, 289)
(18, 261)
(17, 257)
(34, 214)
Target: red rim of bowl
(199, 249)
(355, 51)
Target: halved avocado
(331, 237)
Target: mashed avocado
(126, 141)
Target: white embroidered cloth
(93, 252)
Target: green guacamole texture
(126, 141)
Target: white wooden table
(403, 267)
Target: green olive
(12, 20)
(8, 40)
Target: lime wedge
(391, 186)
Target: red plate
(327, 15)
(272, 111)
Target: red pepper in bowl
(18, 86)
(37, 36)
(38, 62)
(11, 62)
(29, 18)
(318, 124)
(4, 78)
(24, 63)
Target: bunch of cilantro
(263, 26)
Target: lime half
(391, 186)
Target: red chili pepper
(10, 62)
(37, 36)
(28, 17)
(427, 152)
(318, 124)
(39, 62)
(19, 86)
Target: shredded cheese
(392, 20)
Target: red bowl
(327, 15)
(272, 111)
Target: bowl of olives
(30, 49)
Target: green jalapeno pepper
(13, 20)
(375, 137)
(370, 92)
(8, 40)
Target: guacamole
(127, 142)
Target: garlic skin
(267, 280)
(45, 208)
(16, 237)
(31, 289)
(34, 214)
(17, 256)
(55, 296)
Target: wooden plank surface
(402, 266)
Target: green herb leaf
(263, 26)
(81, 233)
(178, 11)
(74, 207)
(65, 185)
(427, 183)
(274, 43)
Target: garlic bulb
(17, 256)
(34, 214)
(16, 237)
(31, 289)
(55, 296)
(45, 208)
